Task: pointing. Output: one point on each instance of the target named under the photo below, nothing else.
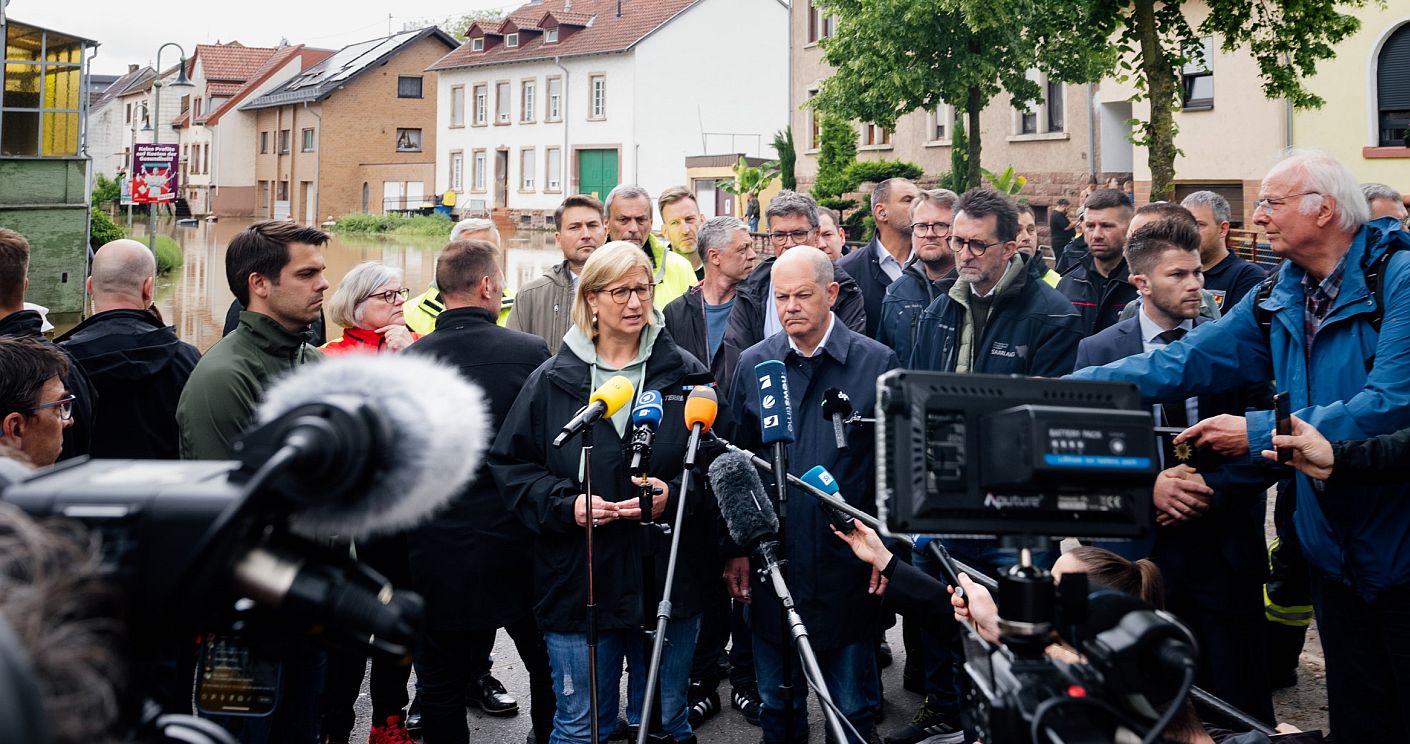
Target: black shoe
(413, 717)
(930, 725)
(883, 655)
(622, 732)
(913, 678)
(746, 700)
(703, 705)
(487, 694)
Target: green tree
(750, 179)
(891, 57)
(787, 157)
(837, 149)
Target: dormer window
(550, 36)
(477, 44)
(512, 40)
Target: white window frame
(553, 176)
(503, 102)
(555, 100)
(943, 113)
(528, 167)
(482, 105)
(479, 171)
(457, 110)
(457, 171)
(477, 44)
(528, 100)
(550, 36)
(597, 96)
(511, 41)
(1039, 111)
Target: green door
(597, 172)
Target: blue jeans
(568, 655)
(849, 672)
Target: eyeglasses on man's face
(1269, 204)
(64, 407)
(796, 237)
(619, 295)
(930, 228)
(975, 245)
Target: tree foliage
(1008, 182)
(456, 25)
(891, 57)
(787, 157)
(876, 171)
(837, 149)
(750, 179)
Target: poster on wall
(154, 173)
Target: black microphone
(743, 502)
(837, 406)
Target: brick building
(354, 133)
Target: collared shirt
(1320, 299)
(831, 321)
(1150, 341)
(772, 323)
(889, 265)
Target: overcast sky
(131, 30)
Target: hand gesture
(1312, 453)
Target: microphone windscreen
(836, 402)
(614, 394)
(439, 428)
(743, 503)
(700, 407)
(820, 479)
(648, 410)
(775, 413)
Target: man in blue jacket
(924, 278)
(1341, 349)
(996, 318)
(830, 589)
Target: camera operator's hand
(867, 545)
(1312, 453)
(1226, 434)
(977, 608)
(1180, 495)
(737, 578)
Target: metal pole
(156, 138)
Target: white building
(111, 126)
(567, 96)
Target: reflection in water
(195, 297)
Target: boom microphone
(822, 480)
(383, 441)
(743, 503)
(604, 401)
(646, 418)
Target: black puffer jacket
(139, 368)
(540, 483)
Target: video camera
(1036, 459)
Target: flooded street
(195, 296)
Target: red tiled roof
(603, 31)
(493, 28)
(223, 89)
(182, 120)
(232, 61)
(281, 57)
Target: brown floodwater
(195, 296)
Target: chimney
(619, 8)
(131, 68)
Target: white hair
(1326, 176)
(474, 225)
(347, 303)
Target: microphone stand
(781, 476)
(650, 727)
(772, 572)
(663, 610)
(591, 597)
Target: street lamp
(181, 82)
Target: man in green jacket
(275, 270)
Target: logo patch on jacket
(1008, 351)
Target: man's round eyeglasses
(975, 246)
(930, 228)
(783, 238)
(1270, 203)
(620, 294)
(63, 405)
(391, 295)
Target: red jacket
(358, 339)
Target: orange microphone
(700, 408)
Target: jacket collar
(1368, 243)
(838, 344)
(22, 323)
(1009, 285)
(571, 373)
(143, 317)
(364, 336)
(269, 335)
(464, 316)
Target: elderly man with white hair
(819, 352)
(1332, 327)
(1385, 201)
(136, 363)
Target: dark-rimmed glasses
(798, 237)
(975, 246)
(930, 228)
(391, 295)
(619, 295)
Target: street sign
(154, 169)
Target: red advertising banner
(154, 173)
